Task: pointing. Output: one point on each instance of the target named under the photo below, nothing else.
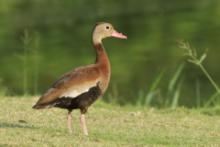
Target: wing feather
(71, 84)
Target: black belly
(82, 102)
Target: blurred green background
(40, 40)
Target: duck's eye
(107, 27)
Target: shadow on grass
(211, 111)
(16, 125)
(4, 145)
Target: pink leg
(69, 122)
(83, 124)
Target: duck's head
(103, 30)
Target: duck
(82, 86)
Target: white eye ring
(107, 27)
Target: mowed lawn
(109, 125)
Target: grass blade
(174, 80)
(153, 87)
(176, 96)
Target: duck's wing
(71, 85)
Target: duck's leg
(83, 124)
(69, 122)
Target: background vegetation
(40, 40)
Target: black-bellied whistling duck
(79, 88)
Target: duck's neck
(101, 55)
(103, 64)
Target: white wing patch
(75, 91)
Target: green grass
(108, 125)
